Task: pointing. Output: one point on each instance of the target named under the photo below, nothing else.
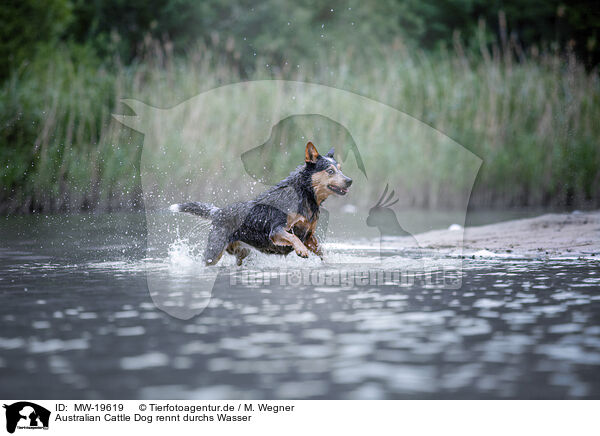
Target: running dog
(279, 220)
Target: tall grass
(532, 118)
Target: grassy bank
(532, 119)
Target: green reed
(532, 118)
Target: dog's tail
(204, 210)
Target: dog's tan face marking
(324, 181)
(319, 183)
(330, 180)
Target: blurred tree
(291, 31)
(272, 28)
(25, 24)
(556, 23)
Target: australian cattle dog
(279, 220)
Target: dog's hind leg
(236, 249)
(217, 240)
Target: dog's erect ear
(311, 154)
(331, 152)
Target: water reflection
(86, 327)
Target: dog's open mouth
(338, 190)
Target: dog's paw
(302, 252)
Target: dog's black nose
(348, 181)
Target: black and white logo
(26, 415)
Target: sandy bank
(553, 234)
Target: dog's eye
(330, 171)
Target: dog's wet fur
(279, 220)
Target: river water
(78, 321)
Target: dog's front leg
(280, 236)
(313, 245)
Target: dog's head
(326, 175)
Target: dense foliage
(290, 29)
(514, 81)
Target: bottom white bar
(299, 417)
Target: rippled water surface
(77, 321)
